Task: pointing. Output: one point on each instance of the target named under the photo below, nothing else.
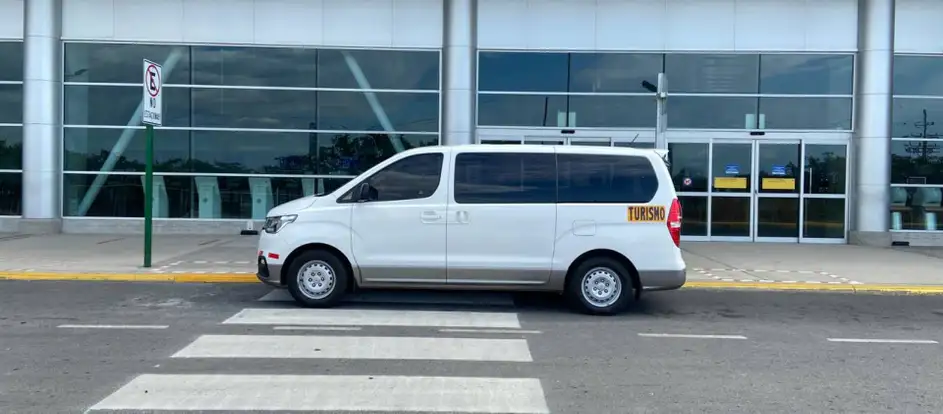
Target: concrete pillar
(42, 103)
(873, 107)
(460, 50)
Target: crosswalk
(377, 341)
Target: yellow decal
(778, 184)
(647, 214)
(730, 183)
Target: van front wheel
(600, 286)
(317, 279)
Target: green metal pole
(148, 195)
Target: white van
(597, 224)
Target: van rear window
(605, 179)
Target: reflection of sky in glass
(11, 61)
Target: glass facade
(802, 92)
(11, 128)
(916, 146)
(245, 128)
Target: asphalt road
(683, 351)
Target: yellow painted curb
(134, 277)
(912, 289)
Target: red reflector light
(674, 222)
(273, 256)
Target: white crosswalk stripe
(335, 391)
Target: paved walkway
(231, 258)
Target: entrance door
(776, 189)
(731, 201)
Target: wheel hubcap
(601, 287)
(316, 279)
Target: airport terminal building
(801, 121)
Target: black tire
(306, 294)
(604, 268)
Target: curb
(134, 277)
(857, 288)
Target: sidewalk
(710, 265)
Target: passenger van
(600, 225)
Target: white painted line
(663, 335)
(317, 328)
(374, 317)
(357, 347)
(697, 268)
(765, 281)
(855, 283)
(221, 262)
(788, 281)
(67, 326)
(717, 270)
(843, 279)
(883, 341)
(823, 273)
(178, 271)
(242, 262)
(702, 271)
(834, 283)
(727, 280)
(709, 274)
(747, 280)
(806, 272)
(813, 282)
(759, 270)
(833, 276)
(331, 393)
(490, 331)
(782, 271)
(200, 262)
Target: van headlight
(274, 224)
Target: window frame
(348, 197)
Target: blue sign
(732, 169)
(779, 170)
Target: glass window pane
(918, 75)
(254, 66)
(254, 108)
(515, 178)
(522, 110)
(122, 63)
(732, 161)
(123, 196)
(825, 170)
(351, 111)
(523, 71)
(914, 118)
(704, 73)
(11, 194)
(806, 113)
(11, 65)
(916, 208)
(382, 69)
(693, 216)
(730, 216)
(250, 152)
(412, 178)
(810, 74)
(612, 111)
(87, 149)
(824, 218)
(605, 179)
(637, 144)
(11, 148)
(352, 154)
(11, 104)
(777, 217)
(916, 162)
(705, 112)
(613, 72)
(118, 105)
(689, 166)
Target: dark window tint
(122, 63)
(517, 178)
(410, 178)
(11, 61)
(811, 74)
(254, 66)
(699, 73)
(523, 71)
(605, 179)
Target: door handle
(461, 216)
(430, 215)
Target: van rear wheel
(600, 286)
(317, 279)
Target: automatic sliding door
(731, 195)
(777, 191)
(690, 173)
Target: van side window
(495, 177)
(605, 179)
(411, 178)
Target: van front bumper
(653, 280)
(270, 274)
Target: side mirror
(365, 193)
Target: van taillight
(674, 222)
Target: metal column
(873, 122)
(460, 39)
(42, 102)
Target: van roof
(560, 149)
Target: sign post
(152, 115)
(661, 105)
